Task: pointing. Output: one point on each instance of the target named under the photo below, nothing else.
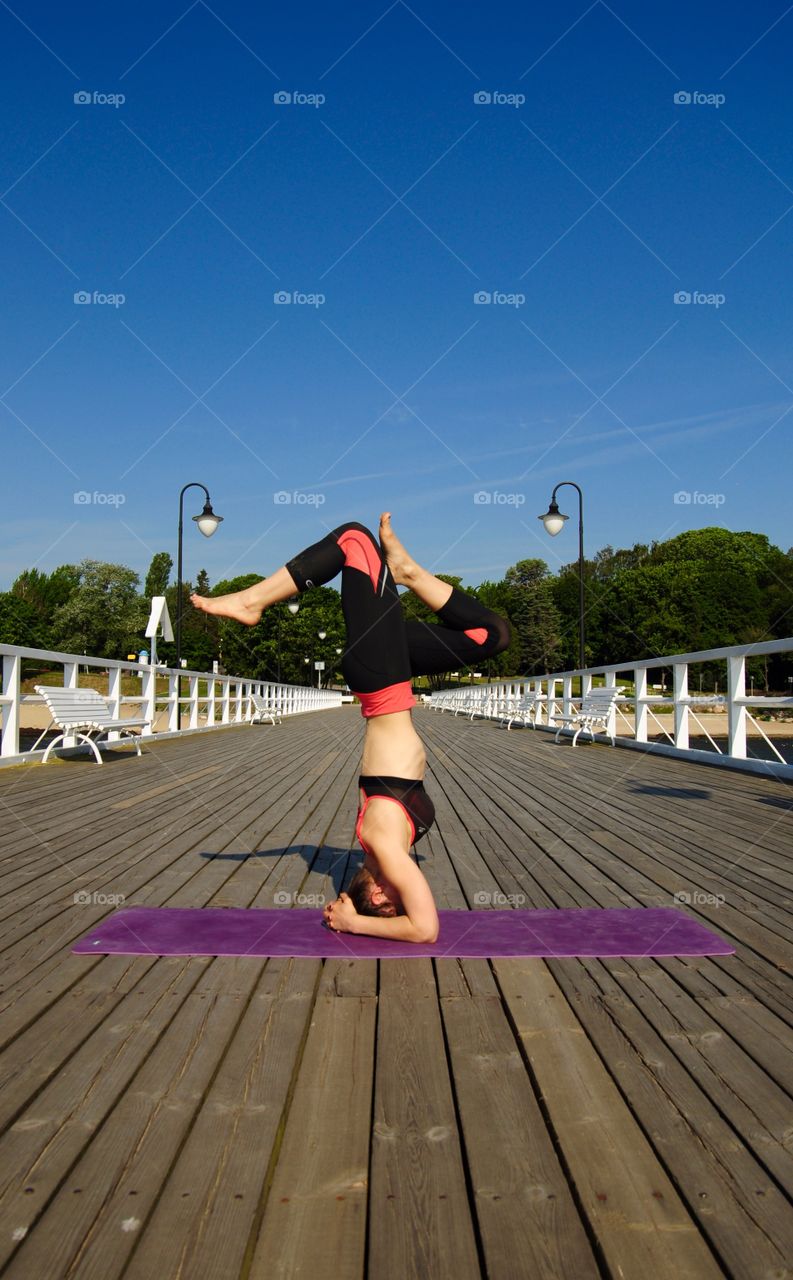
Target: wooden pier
(215, 1118)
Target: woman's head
(373, 897)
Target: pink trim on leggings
(477, 634)
(395, 697)
(361, 553)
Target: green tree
(104, 616)
(158, 575)
(45, 592)
(534, 616)
(21, 623)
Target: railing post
(736, 714)
(114, 698)
(567, 695)
(149, 698)
(640, 705)
(224, 700)
(12, 688)
(211, 700)
(173, 703)
(192, 682)
(680, 691)
(71, 671)
(610, 682)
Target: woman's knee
(499, 635)
(350, 525)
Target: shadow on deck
(217, 1117)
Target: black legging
(382, 648)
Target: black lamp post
(207, 523)
(554, 523)
(292, 605)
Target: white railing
(633, 714)
(225, 701)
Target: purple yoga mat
(234, 931)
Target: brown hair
(360, 890)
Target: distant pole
(207, 523)
(554, 523)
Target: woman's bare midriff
(392, 748)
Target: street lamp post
(321, 635)
(292, 605)
(554, 523)
(207, 523)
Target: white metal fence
(635, 715)
(226, 699)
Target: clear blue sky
(398, 198)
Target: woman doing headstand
(388, 897)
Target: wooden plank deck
(215, 1117)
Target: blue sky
(382, 211)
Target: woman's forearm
(400, 928)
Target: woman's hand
(341, 915)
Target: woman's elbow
(427, 936)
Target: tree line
(700, 590)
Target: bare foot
(403, 567)
(233, 606)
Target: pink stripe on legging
(361, 553)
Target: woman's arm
(404, 929)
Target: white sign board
(319, 666)
(159, 616)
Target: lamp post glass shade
(208, 521)
(293, 606)
(553, 519)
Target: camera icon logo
(481, 898)
(282, 98)
(682, 298)
(682, 98)
(482, 298)
(482, 98)
(82, 497)
(82, 297)
(682, 498)
(81, 97)
(482, 498)
(282, 297)
(282, 898)
(282, 498)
